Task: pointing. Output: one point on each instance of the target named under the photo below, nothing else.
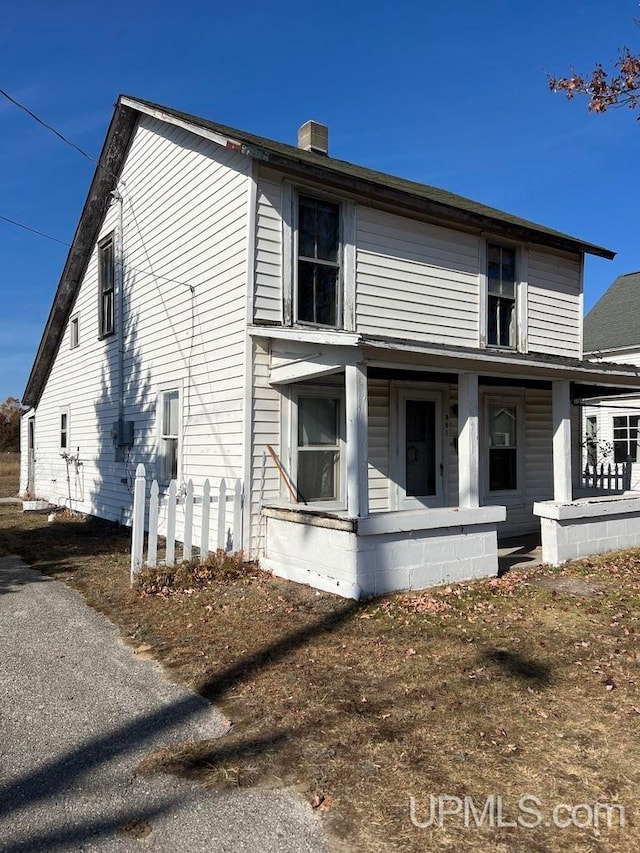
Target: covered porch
(437, 451)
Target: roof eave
(104, 180)
(435, 209)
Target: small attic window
(74, 332)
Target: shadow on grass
(52, 548)
(56, 779)
(517, 666)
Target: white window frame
(512, 400)
(161, 458)
(521, 294)
(74, 331)
(345, 297)
(627, 440)
(63, 429)
(107, 322)
(591, 439)
(327, 392)
(399, 394)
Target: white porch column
(468, 441)
(357, 450)
(562, 490)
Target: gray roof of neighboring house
(614, 321)
(377, 187)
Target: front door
(31, 455)
(419, 450)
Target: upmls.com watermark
(531, 812)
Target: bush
(220, 567)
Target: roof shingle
(614, 321)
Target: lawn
(9, 474)
(526, 686)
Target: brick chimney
(314, 136)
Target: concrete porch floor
(519, 552)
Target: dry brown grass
(9, 474)
(510, 687)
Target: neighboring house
(409, 356)
(612, 334)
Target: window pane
(503, 469)
(170, 458)
(306, 229)
(501, 321)
(326, 291)
(170, 413)
(318, 474)
(420, 449)
(327, 233)
(501, 271)
(305, 291)
(502, 426)
(317, 421)
(106, 271)
(63, 430)
(317, 293)
(506, 327)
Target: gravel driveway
(78, 712)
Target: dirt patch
(503, 688)
(570, 585)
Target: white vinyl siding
(185, 226)
(416, 280)
(265, 430)
(554, 303)
(378, 445)
(268, 256)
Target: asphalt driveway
(79, 711)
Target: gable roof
(614, 321)
(376, 186)
(438, 202)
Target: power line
(35, 231)
(127, 267)
(49, 127)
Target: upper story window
(501, 285)
(106, 287)
(318, 262)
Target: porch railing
(224, 531)
(609, 477)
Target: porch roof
(325, 352)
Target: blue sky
(451, 94)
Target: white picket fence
(616, 477)
(228, 531)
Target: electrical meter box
(122, 433)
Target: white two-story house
(388, 368)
